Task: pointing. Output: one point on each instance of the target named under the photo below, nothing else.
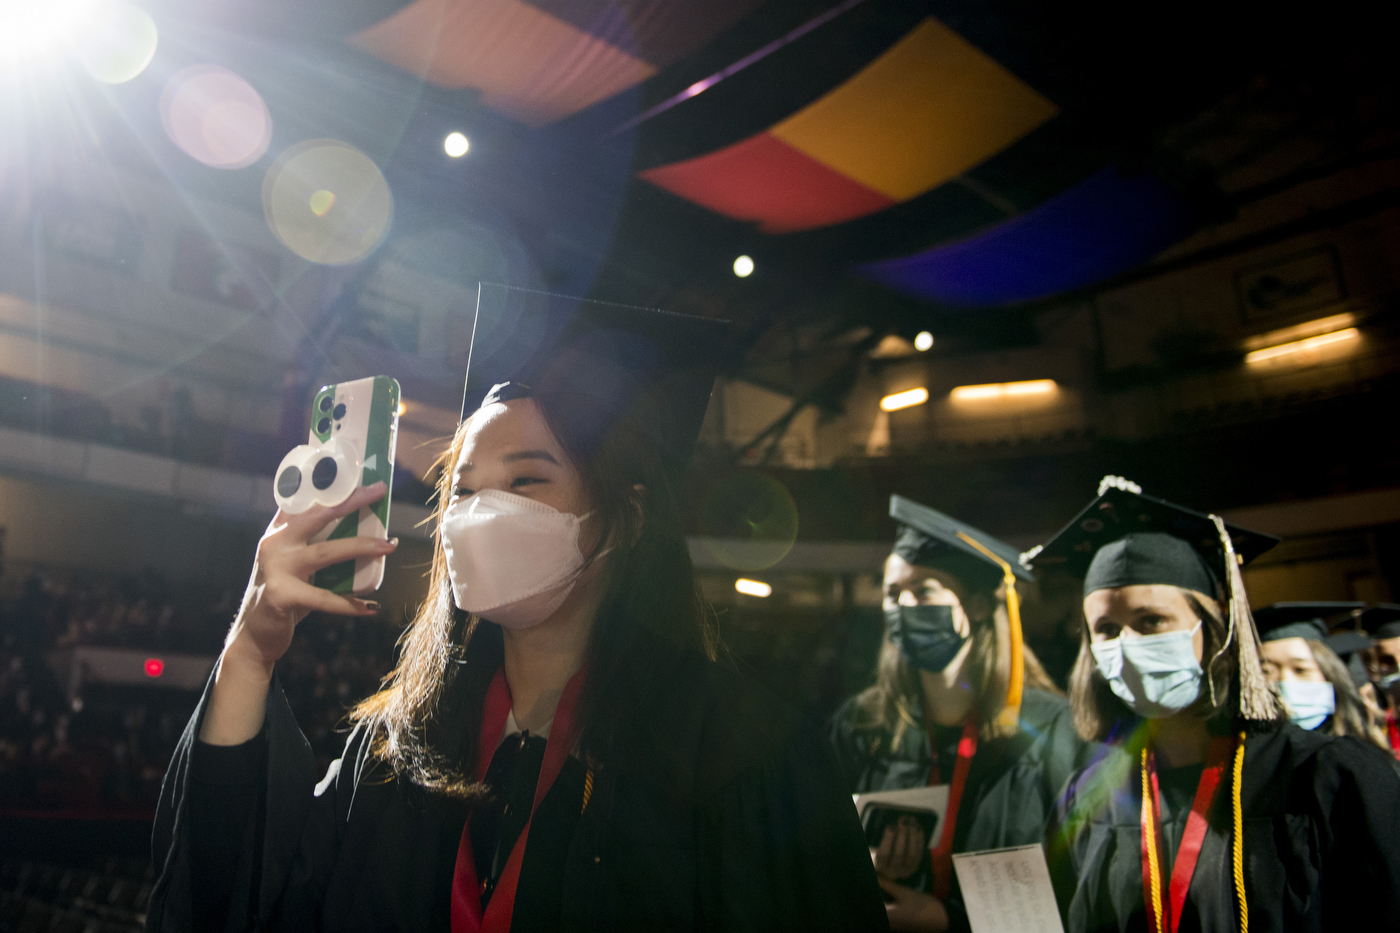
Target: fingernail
(394, 542)
(390, 544)
(371, 605)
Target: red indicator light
(154, 667)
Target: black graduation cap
(1147, 536)
(928, 538)
(1382, 620)
(1300, 620)
(615, 360)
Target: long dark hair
(1352, 717)
(888, 705)
(651, 589)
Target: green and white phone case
(364, 416)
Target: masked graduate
(1209, 810)
(555, 749)
(1382, 660)
(958, 700)
(1314, 683)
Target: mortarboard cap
(1124, 537)
(928, 538)
(1382, 620)
(1300, 620)
(614, 360)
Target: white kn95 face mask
(511, 560)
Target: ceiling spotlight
(743, 267)
(924, 341)
(456, 145)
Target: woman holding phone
(1209, 811)
(958, 700)
(554, 750)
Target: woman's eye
(520, 481)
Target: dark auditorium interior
(978, 254)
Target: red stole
(941, 855)
(467, 915)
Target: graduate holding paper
(1209, 811)
(960, 701)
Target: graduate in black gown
(958, 700)
(1209, 810)
(1382, 662)
(1317, 689)
(555, 749)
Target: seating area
(42, 897)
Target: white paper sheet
(1008, 891)
(927, 799)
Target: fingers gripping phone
(354, 431)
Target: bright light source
(456, 145)
(924, 341)
(906, 399)
(1298, 346)
(1004, 390)
(154, 667)
(403, 407)
(1325, 325)
(753, 587)
(743, 267)
(35, 33)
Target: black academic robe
(718, 809)
(1012, 783)
(1321, 841)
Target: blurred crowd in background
(105, 749)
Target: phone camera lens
(325, 403)
(323, 426)
(323, 473)
(339, 412)
(289, 482)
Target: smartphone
(879, 816)
(364, 415)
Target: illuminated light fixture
(743, 267)
(154, 667)
(924, 341)
(456, 145)
(1324, 325)
(753, 587)
(1299, 346)
(906, 399)
(35, 33)
(1004, 390)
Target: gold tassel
(587, 790)
(1009, 719)
(1257, 698)
(1237, 849)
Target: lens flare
(456, 145)
(749, 521)
(743, 267)
(327, 201)
(115, 41)
(216, 117)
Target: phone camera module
(339, 412)
(323, 426)
(325, 405)
(289, 482)
(323, 473)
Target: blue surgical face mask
(927, 635)
(1157, 675)
(1309, 704)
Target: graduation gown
(1321, 840)
(718, 809)
(1012, 783)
